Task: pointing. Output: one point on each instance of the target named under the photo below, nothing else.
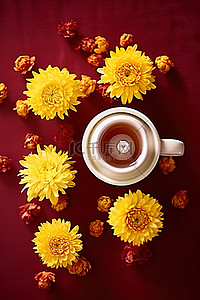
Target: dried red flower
(96, 228)
(3, 92)
(104, 203)
(126, 39)
(29, 211)
(80, 267)
(62, 203)
(180, 199)
(96, 60)
(86, 44)
(64, 135)
(45, 279)
(101, 88)
(5, 164)
(167, 164)
(67, 29)
(24, 63)
(31, 141)
(135, 255)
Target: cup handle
(171, 147)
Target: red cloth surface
(159, 27)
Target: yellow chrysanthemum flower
(52, 92)
(136, 218)
(56, 245)
(129, 73)
(46, 174)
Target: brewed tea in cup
(121, 146)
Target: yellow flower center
(47, 171)
(127, 74)
(52, 95)
(58, 245)
(137, 219)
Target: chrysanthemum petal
(52, 92)
(129, 73)
(56, 245)
(136, 218)
(46, 173)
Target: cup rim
(106, 175)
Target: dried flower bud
(3, 92)
(62, 203)
(24, 63)
(5, 164)
(45, 279)
(86, 44)
(96, 60)
(87, 85)
(126, 39)
(64, 135)
(164, 63)
(22, 108)
(167, 164)
(135, 255)
(180, 199)
(31, 141)
(29, 211)
(96, 228)
(67, 29)
(102, 45)
(80, 267)
(102, 89)
(104, 203)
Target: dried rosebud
(126, 39)
(29, 211)
(3, 92)
(102, 89)
(5, 164)
(96, 60)
(135, 255)
(45, 279)
(96, 228)
(87, 85)
(180, 199)
(86, 44)
(102, 45)
(164, 63)
(64, 135)
(80, 267)
(104, 203)
(62, 203)
(167, 164)
(31, 141)
(22, 108)
(67, 29)
(24, 63)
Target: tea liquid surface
(121, 145)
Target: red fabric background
(159, 27)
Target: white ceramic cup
(121, 146)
